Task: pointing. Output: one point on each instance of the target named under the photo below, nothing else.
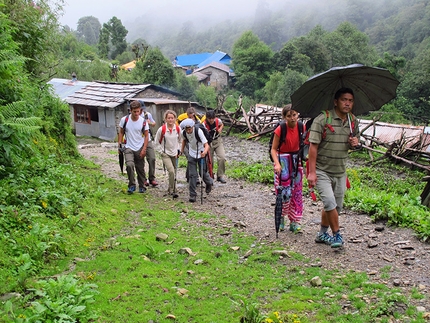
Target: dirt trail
(370, 247)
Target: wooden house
(97, 108)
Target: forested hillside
(273, 52)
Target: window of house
(82, 114)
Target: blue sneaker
(142, 189)
(324, 238)
(131, 189)
(337, 241)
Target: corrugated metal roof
(388, 133)
(108, 95)
(63, 87)
(158, 101)
(191, 59)
(218, 56)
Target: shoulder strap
(163, 132)
(196, 132)
(283, 133)
(300, 124)
(207, 125)
(125, 122)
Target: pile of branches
(257, 122)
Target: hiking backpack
(198, 126)
(284, 127)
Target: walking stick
(201, 162)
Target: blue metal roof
(63, 87)
(218, 56)
(192, 59)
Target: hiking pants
(217, 147)
(133, 163)
(194, 167)
(170, 164)
(150, 158)
(293, 208)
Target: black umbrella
(121, 158)
(372, 86)
(278, 211)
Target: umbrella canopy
(372, 86)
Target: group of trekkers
(329, 136)
(194, 138)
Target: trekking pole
(201, 162)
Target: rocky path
(392, 256)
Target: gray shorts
(331, 190)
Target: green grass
(107, 239)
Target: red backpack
(164, 129)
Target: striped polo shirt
(333, 149)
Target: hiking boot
(324, 238)
(337, 241)
(175, 195)
(282, 224)
(221, 180)
(131, 189)
(295, 227)
(192, 199)
(146, 183)
(153, 183)
(142, 189)
(208, 188)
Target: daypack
(198, 126)
(125, 125)
(284, 127)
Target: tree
(186, 85)
(347, 45)
(103, 45)
(206, 96)
(281, 86)
(35, 29)
(89, 30)
(113, 33)
(252, 63)
(154, 69)
(118, 34)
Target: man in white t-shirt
(135, 129)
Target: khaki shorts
(331, 190)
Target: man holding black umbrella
(328, 152)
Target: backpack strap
(328, 125)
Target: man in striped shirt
(328, 151)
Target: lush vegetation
(74, 247)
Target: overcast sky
(129, 10)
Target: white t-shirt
(133, 132)
(195, 147)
